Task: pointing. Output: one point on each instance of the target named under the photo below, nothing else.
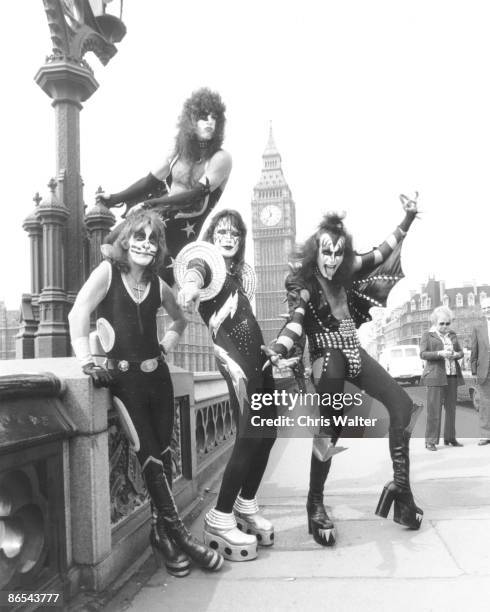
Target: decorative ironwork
(215, 424)
(128, 491)
(74, 31)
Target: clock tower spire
(274, 234)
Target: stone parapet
(99, 543)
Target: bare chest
(187, 175)
(336, 297)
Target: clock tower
(274, 234)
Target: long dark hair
(236, 218)
(305, 255)
(133, 223)
(201, 103)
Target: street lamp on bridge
(76, 27)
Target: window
(445, 301)
(471, 299)
(483, 295)
(413, 305)
(459, 300)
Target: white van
(403, 362)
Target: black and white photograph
(245, 306)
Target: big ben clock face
(270, 215)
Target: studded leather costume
(237, 339)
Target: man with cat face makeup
(223, 283)
(329, 295)
(127, 293)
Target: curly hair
(201, 103)
(441, 310)
(305, 255)
(236, 218)
(134, 222)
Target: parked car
(403, 362)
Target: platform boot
(250, 521)
(406, 512)
(165, 551)
(164, 548)
(221, 533)
(319, 523)
(170, 523)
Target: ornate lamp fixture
(111, 25)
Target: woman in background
(440, 349)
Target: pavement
(376, 565)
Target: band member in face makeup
(237, 342)
(187, 186)
(330, 295)
(127, 293)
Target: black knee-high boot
(319, 523)
(176, 562)
(168, 517)
(398, 490)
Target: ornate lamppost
(76, 27)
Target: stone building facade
(406, 324)
(9, 327)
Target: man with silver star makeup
(126, 293)
(330, 293)
(216, 277)
(187, 186)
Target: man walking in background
(480, 362)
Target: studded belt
(123, 365)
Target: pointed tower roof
(270, 147)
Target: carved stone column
(69, 84)
(33, 227)
(52, 338)
(98, 220)
(24, 343)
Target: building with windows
(9, 327)
(195, 350)
(405, 324)
(274, 234)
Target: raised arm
(179, 323)
(89, 297)
(368, 261)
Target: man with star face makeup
(187, 186)
(127, 293)
(330, 293)
(223, 283)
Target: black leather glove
(101, 377)
(135, 193)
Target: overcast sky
(368, 99)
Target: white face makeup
(330, 255)
(205, 126)
(143, 246)
(226, 237)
